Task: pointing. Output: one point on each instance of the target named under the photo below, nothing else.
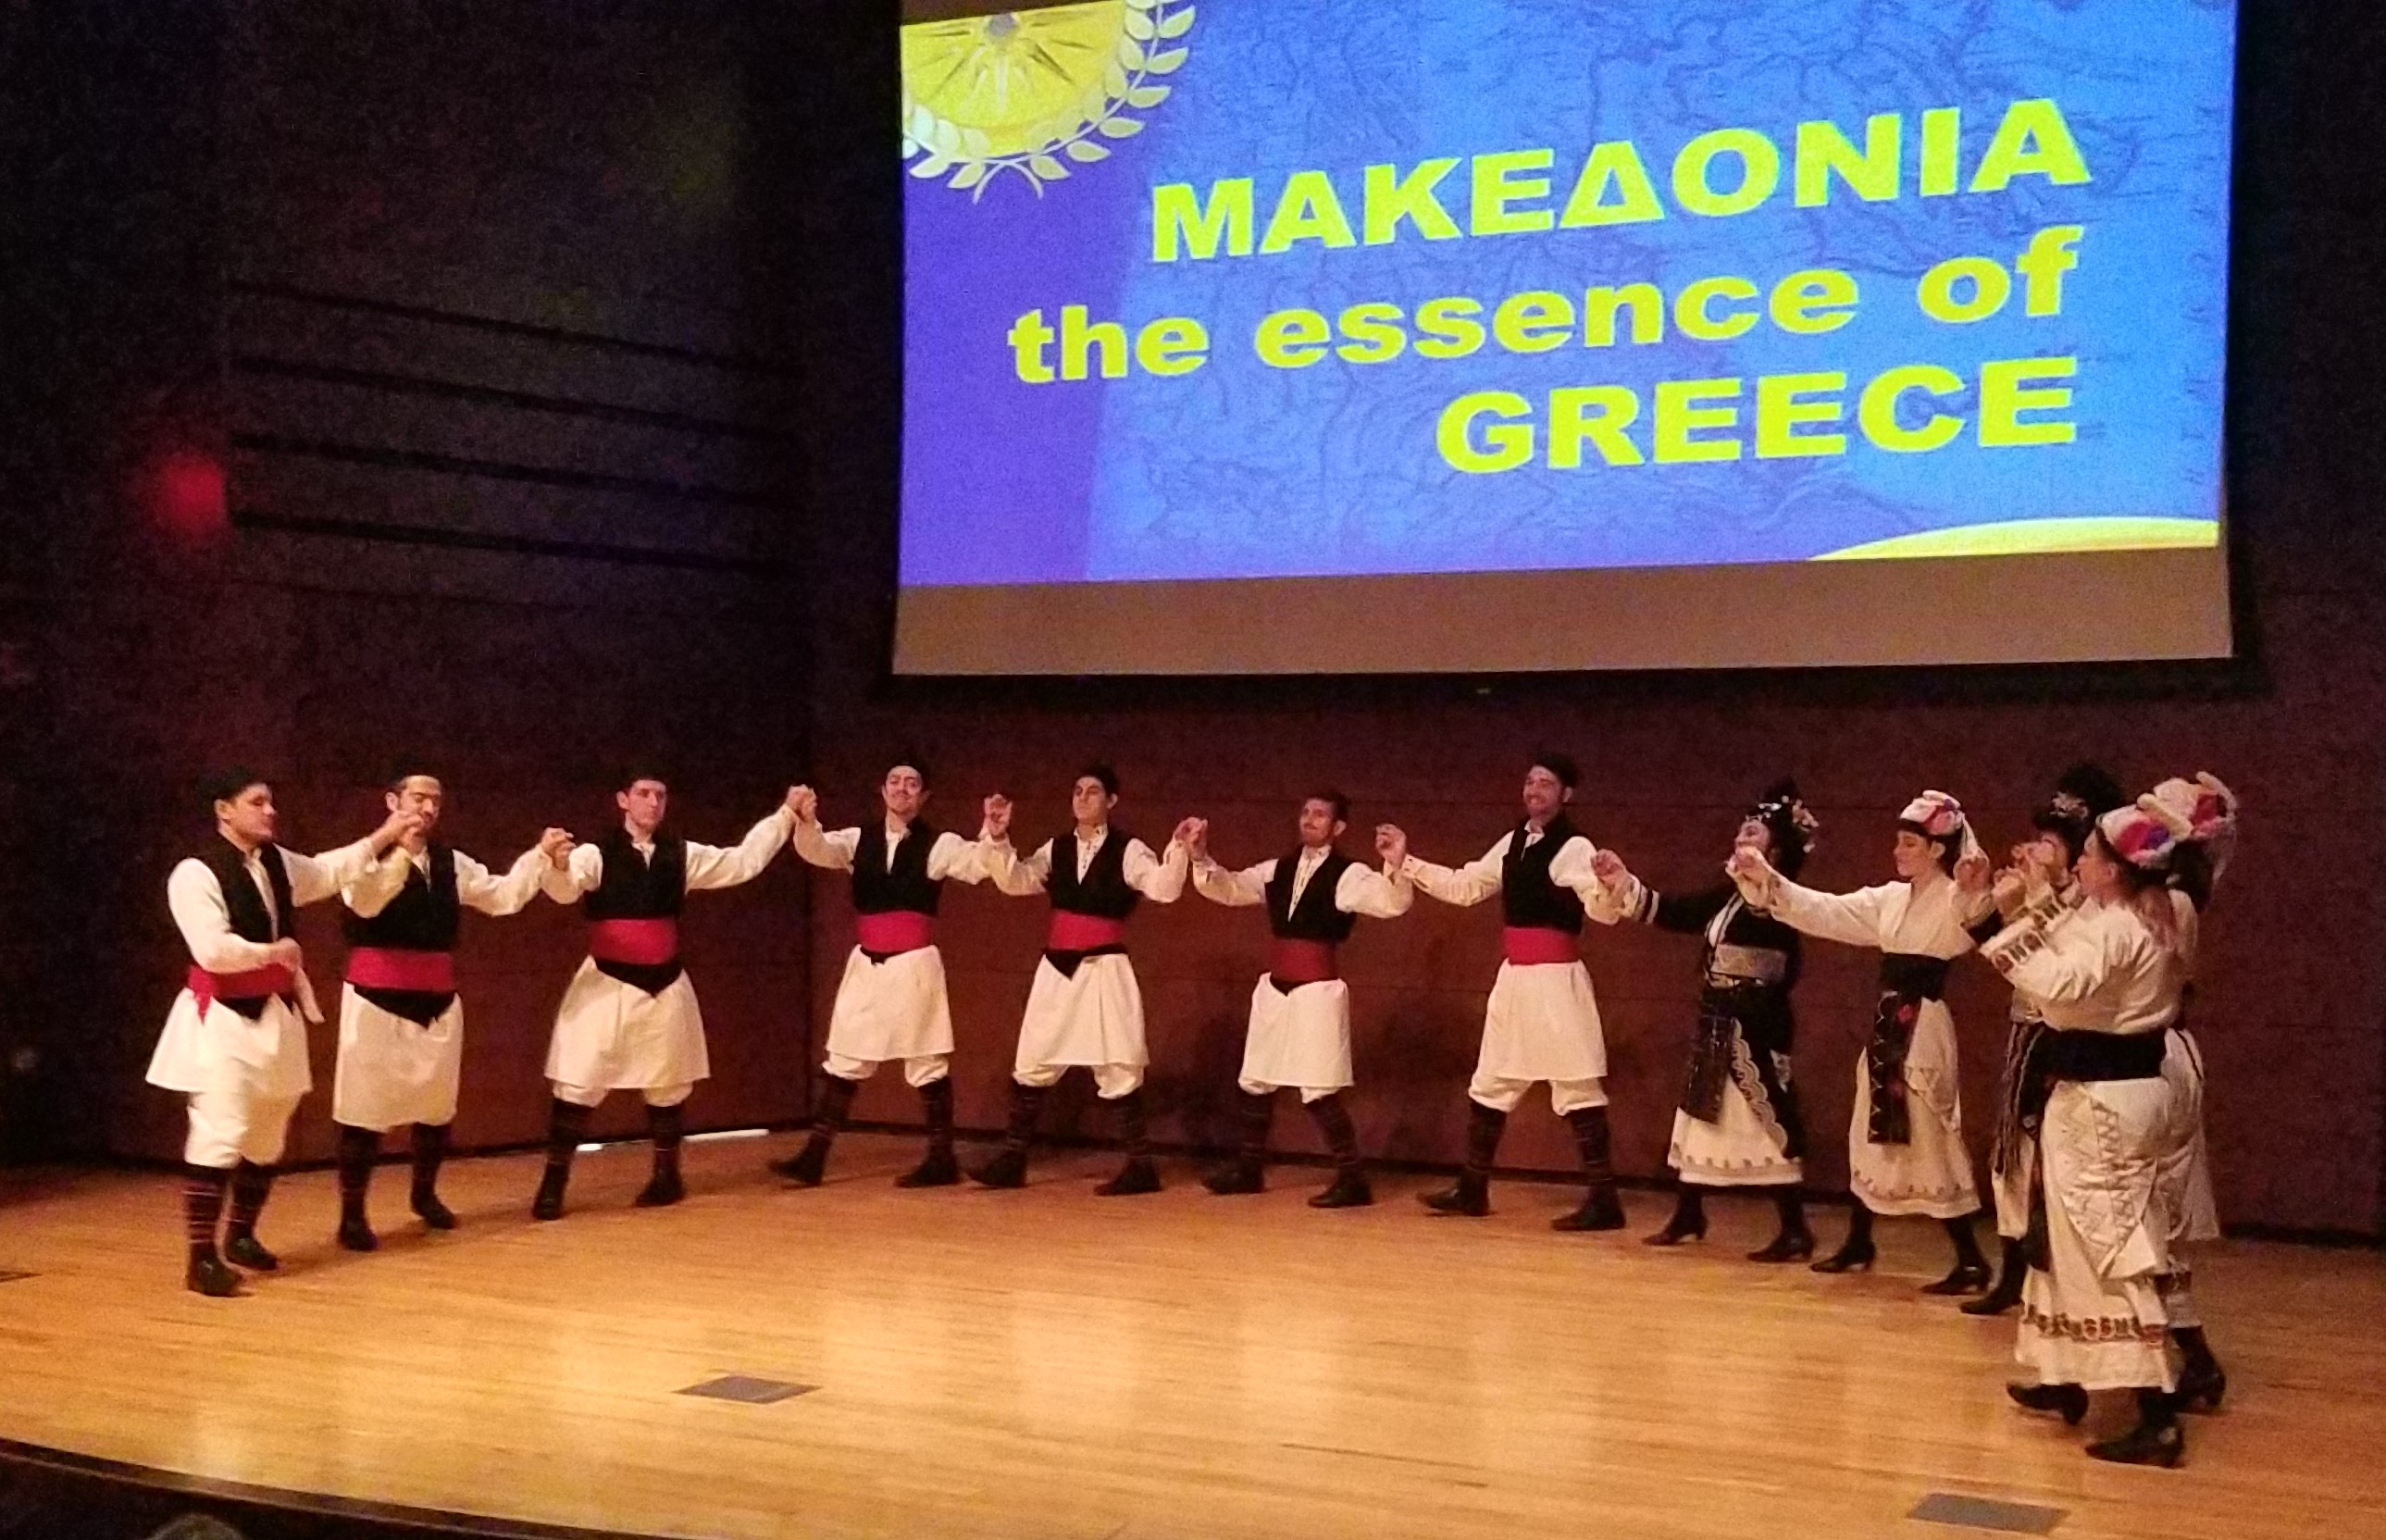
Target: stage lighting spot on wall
(190, 493)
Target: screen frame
(2220, 657)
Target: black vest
(905, 886)
(1526, 894)
(1103, 891)
(637, 887)
(246, 907)
(1317, 919)
(424, 916)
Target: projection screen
(1491, 335)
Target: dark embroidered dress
(1747, 965)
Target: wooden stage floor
(1049, 1365)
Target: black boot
(2069, 1399)
(1248, 1171)
(202, 1204)
(1689, 1221)
(251, 1184)
(1856, 1252)
(1139, 1175)
(1350, 1189)
(2201, 1381)
(1792, 1241)
(357, 1150)
(430, 1154)
(1970, 1274)
(1472, 1194)
(2156, 1440)
(666, 1126)
(1602, 1209)
(939, 1169)
(1009, 1168)
(567, 1125)
(2011, 1267)
(809, 1165)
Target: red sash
(895, 931)
(257, 983)
(1301, 961)
(1072, 932)
(1529, 945)
(640, 942)
(394, 968)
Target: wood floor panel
(1046, 1365)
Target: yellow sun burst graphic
(1029, 91)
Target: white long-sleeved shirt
(1361, 890)
(709, 866)
(2097, 967)
(197, 901)
(950, 860)
(1481, 878)
(476, 888)
(1925, 917)
(1162, 881)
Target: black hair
(1778, 809)
(1569, 774)
(2190, 872)
(2082, 795)
(226, 785)
(913, 762)
(1101, 770)
(1334, 799)
(637, 771)
(408, 770)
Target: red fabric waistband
(1072, 932)
(895, 931)
(1293, 961)
(642, 943)
(398, 968)
(1529, 945)
(257, 983)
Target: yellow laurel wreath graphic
(1028, 92)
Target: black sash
(2020, 1097)
(1907, 980)
(1065, 963)
(2093, 1056)
(1758, 1015)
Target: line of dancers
(2098, 1167)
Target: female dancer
(2203, 813)
(2107, 971)
(1737, 1123)
(2084, 794)
(1905, 1144)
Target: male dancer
(2060, 829)
(891, 1002)
(1541, 1022)
(401, 1025)
(629, 1020)
(1299, 1034)
(1083, 1007)
(234, 1042)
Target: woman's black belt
(1914, 975)
(2089, 1056)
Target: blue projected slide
(1253, 290)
